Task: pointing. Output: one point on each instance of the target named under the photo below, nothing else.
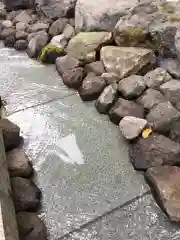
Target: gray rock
(125, 61)
(156, 150)
(37, 43)
(174, 133)
(58, 26)
(7, 24)
(177, 41)
(59, 41)
(21, 45)
(73, 78)
(164, 182)
(21, 35)
(132, 86)
(66, 63)
(23, 17)
(162, 116)
(39, 26)
(150, 98)
(9, 41)
(18, 4)
(18, 164)
(110, 78)
(26, 195)
(156, 77)
(123, 108)
(69, 31)
(86, 42)
(8, 32)
(95, 67)
(100, 15)
(11, 134)
(171, 91)
(91, 88)
(59, 8)
(71, 22)
(30, 226)
(20, 26)
(106, 99)
(131, 127)
(173, 67)
(32, 35)
(1, 44)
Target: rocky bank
(125, 56)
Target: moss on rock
(50, 52)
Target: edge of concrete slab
(8, 224)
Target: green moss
(174, 19)
(166, 7)
(134, 35)
(49, 49)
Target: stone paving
(90, 190)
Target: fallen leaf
(146, 132)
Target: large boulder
(91, 87)
(125, 61)
(100, 15)
(86, 42)
(156, 150)
(18, 163)
(37, 43)
(66, 63)
(73, 78)
(26, 195)
(106, 99)
(123, 108)
(164, 182)
(151, 23)
(30, 226)
(161, 117)
(54, 9)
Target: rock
(11, 134)
(123, 108)
(30, 226)
(131, 127)
(21, 45)
(3, 12)
(18, 4)
(164, 182)
(59, 41)
(39, 26)
(50, 53)
(156, 77)
(177, 40)
(125, 61)
(171, 91)
(66, 63)
(69, 31)
(32, 35)
(132, 86)
(58, 26)
(23, 17)
(86, 42)
(71, 22)
(9, 42)
(18, 164)
(21, 35)
(173, 67)
(110, 78)
(37, 43)
(106, 99)
(8, 32)
(100, 16)
(26, 195)
(2, 44)
(174, 133)
(59, 8)
(161, 117)
(73, 78)
(95, 67)
(89, 58)
(91, 88)
(153, 151)
(20, 26)
(150, 98)
(7, 24)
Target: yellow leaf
(146, 132)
